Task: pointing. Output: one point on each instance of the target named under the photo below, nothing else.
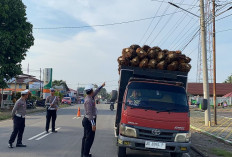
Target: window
(20, 86)
(157, 96)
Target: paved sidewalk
(222, 131)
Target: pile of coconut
(154, 58)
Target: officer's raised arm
(98, 89)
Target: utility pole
(2, 106)
(214, 67)
(205, 67)
(40, 83)
(15, 85)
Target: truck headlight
(182, 137)
(127, 131)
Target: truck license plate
(157, 145)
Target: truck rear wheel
(121, 151)
(176, 154)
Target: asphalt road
(67, 142)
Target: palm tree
(60, 83)
(229, 79)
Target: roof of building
(72, 90)
(221, 88)
(23, 79)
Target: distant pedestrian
(52, 103)
(18, 117)
(89, 120)
(225, 104)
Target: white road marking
(45, 135)
(76, 117)
(187, 155)
(38, 135)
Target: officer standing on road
(52, 106)
(18, 116)
(89, 120)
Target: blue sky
(89, 55)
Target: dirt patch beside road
(210, 146)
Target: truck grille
(163, 136)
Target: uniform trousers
(51, 114)
(88, 137)
(18, 129)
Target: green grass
(220, 152)
(64, 105)
(6, 114)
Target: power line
(194, 36)
(150, 23)
(169, 19)
(225, 30)
(109, 24)
(207, 23)
(179, 22)
(176, 3)
(182, 35)
(157, 24)
(224, 17)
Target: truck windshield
(159, 97)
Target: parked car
(66, 100)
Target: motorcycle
(111, 106)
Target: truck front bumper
(139, 144)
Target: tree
(229, 79)
(60, 83)
(104, 94)
(15, 38)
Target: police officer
(89, 120)
(52, 106)
(18, 117)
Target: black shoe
(47, 131)
(10, 145)
(54, 131)
(21, 145)
(90, 155)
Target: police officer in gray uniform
(18, 117)
(89, 120)
(52, 103)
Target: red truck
(152, 111)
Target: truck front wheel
(176, 154)
(121, 151)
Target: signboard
(35, 85)
(47, 75)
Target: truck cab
(154, 112)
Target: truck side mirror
(204, 105)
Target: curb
(197, 151)
(212, 135)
